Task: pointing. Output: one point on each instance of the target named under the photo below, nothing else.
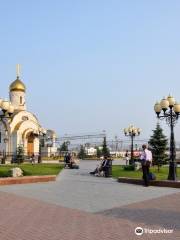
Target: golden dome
(17, 85)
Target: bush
(3, 160)
(129, 168)
(19, 154)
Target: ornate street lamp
(169, 110)
(5, 114)
(132, 132)
(7, 109)
(42, 134)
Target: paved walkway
(81, 206)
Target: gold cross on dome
(18, 66)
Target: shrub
(129, 168)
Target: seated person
(98, 169)
(74, 163)
(103, 167)
(106, 166)
(67, 159)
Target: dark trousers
(145, 169)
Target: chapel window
(20, 100)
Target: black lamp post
(6, 112)
(132, 132)
(169, 110)
(5, 151)
(41, 143)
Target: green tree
(64, 147)
(82, 152)
(99, 152)
(20, 154)
(105, 149)
(158, 144)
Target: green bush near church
(32, 170)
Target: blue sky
(92, 65)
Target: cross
(18, 70)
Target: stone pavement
(79, 206)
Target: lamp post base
(131, 162)
(172, 171)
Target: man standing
(127, 157)
(146, 159)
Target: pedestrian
(66, 160)
(146, 160)
(127, 157)
(33, 159)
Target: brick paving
(28, 219)
(163, 212)
(34, 218)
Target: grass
(32, 170)
(118, 171)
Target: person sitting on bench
(105, 166)
(67, 159)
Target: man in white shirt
(146, 160)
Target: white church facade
(18, 127)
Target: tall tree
(158, 144)
(105, 149)
(98, 152)
(82, 152)
(64, 147)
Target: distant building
(49, 147)
(90, 151)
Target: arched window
(20, 100)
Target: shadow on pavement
(151, 216)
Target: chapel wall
(17, 98)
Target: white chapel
(18, 127)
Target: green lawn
(118, 171)
(32, 170)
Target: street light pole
(172, 163)
(132, 146)
(170, 112)
(132, 132)
(6, 112)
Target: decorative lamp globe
(1, 100)
(125, 131)
(164, 104)
(171, 101)
(130, 129)
(138, 130)
(135, 130)
(157, 107)
(176, 108)
(5, 105)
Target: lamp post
(132, 132)
(42, 135)
(169, 110)
(6, 112)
